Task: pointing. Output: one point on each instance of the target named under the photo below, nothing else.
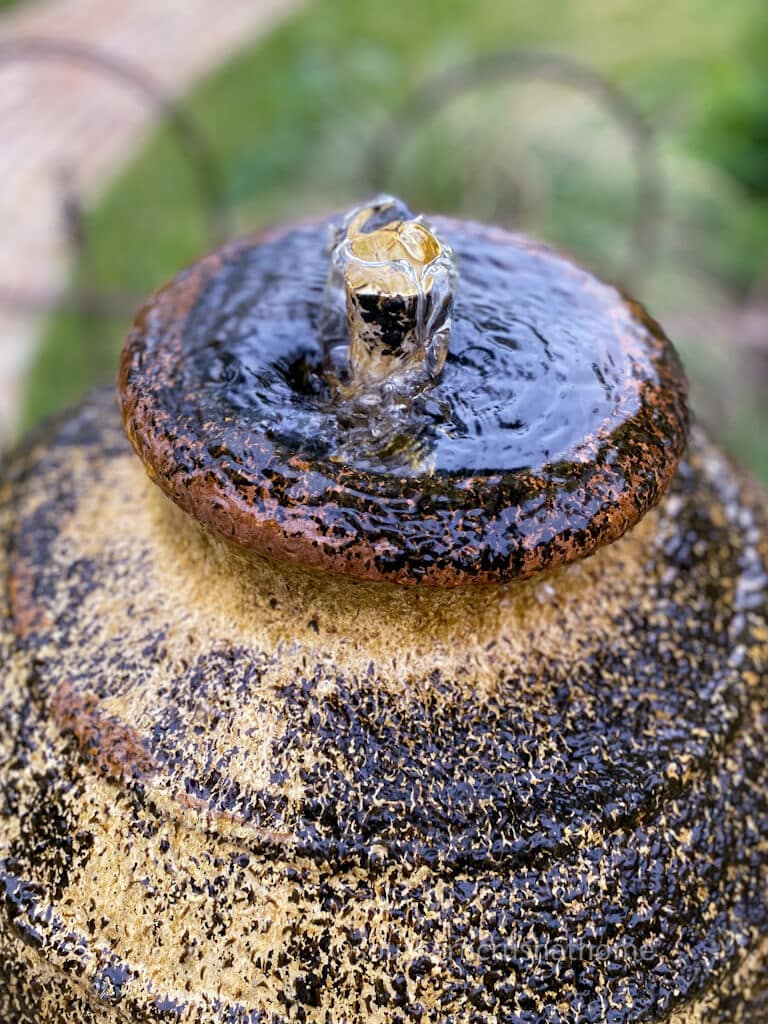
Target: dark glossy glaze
(392, 849)
(556, 424)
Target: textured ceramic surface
(236, 793)
(556, 423)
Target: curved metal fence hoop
(191, 140)
(439, 91)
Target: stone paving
(59, 118)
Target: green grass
(293, 117)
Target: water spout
(395, 279)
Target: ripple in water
(532, 369)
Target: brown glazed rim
(439, 531)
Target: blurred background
(634, 136)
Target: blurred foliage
(736, 131)
(293, 117)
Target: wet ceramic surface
(556, 423)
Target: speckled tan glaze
(240, 792)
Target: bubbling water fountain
(318, 710)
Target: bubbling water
(527, 378)
(395, 279)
